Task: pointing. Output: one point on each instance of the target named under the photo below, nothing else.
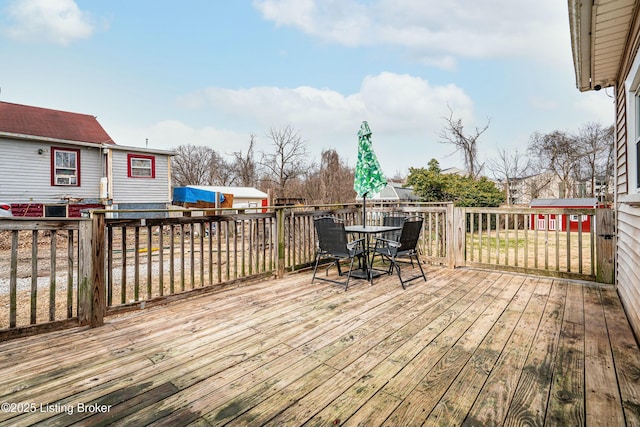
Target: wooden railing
(40, 269)
(570, 243)
(158, 257)
(59, 273)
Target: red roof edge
(47, 123)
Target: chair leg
(395, 264)
(346, 284)
(340, 273)
(391, 259)
(375, 252)
(384, 257)
(397, 267)
(420, 266)
(315, 267)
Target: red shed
(538, 221)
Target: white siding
(621, 142)
(139, 190)
(628, 212)
(25, 175)
(628, 256)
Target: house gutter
(581, 14)
(104, 145)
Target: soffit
(599, 32)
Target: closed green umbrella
(368, 177)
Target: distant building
(241, 197)
(553, 222)
(547, 185)
(395, 192)
(454, 170)
(56, 164)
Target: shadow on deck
(467, 347)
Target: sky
(165, 73)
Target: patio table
(367, 271)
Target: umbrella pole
(364, 210)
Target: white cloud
(348, 20)
(57, 21)
(433, 29)
(540, 103)
(172, 133)
(393, 101)
(405, 113)
(169, 134)
(599, 105)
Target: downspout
(106, 183)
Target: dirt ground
(62, 302)
(24, 273)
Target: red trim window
(140, 166)
(65, 166)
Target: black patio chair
(319, 221)
(397, 251)
(395, 221)
(333, 244)
(389, 220)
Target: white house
(605, 38)
(395, 192)
(56, 163)
(548, 185)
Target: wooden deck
(467, 347)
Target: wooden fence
(569, 243)
(61, 273)
(39, 269)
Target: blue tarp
(193, 195)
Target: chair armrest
(354, 244)
(389, 242)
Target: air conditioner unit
(65, 180)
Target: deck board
(565, 406)
(467, 347)
(603, 405)
(460, 396)
(625, 354)
(495, 397)
(528, 406)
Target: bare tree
(245, 166)
(198, 165)
(337, 178)
(537, 185)
(453, 134)
(596, 147)
(288, 161)
(557, 152)
(607, 168)
(331, 182)
(225, 175)
(509, 167)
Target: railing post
(605, 245)
(456, 236)
(280, 212)
(91, 263)
(98, 302)
(84, 272)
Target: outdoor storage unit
(552, 222)
(229, 197)
(190, 196)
